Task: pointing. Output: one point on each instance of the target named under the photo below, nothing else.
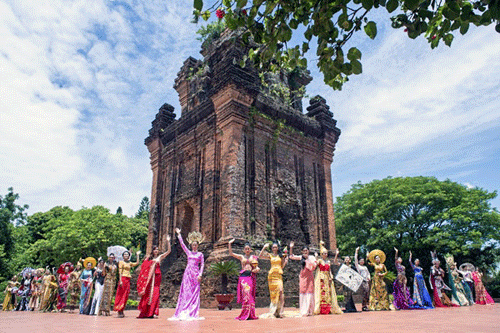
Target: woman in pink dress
(247, 281)
(188, 304)
(306, 280)
(482, 296)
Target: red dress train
(148, 283)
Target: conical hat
(89, 260)
(374, 253)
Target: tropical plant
(224, 269)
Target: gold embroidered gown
(325, 297)
(275, 280)
(9, 302)
(108, 289)
(379, 299)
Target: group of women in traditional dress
(90, 285)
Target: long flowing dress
(438, 286)
(379, 299)
(63, 290)
(99, 286)
(24, 292)
(401, 293)
(86, 293)
(35, 292)
(9, 302)
(74, 290)
(457, 288)
(421, 296)
(470, 289)
(364, 289)
(325, 297)
(188, 304)
(49, 295)
(275, 282)
(468, 285)
(306, 287)
(108, 288)
(482, 296)
(123, 290)
(149, 283)
(246, 290)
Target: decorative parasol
(90, 260)
(467, 267)
(374, 253)
(117, 250)
(60, 270)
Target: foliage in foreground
(331, 24)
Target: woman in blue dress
(421, 296)
(86, 279)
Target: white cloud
(398, 105)
(80, 85)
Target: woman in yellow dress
(379, 299)
(49, 292)
(9, 302)
(325, 297)
(275, 280)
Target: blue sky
(80, 83)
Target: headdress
(450, 261)
(26, 271)
(89, 260)
(61, 268)
(40, 271)
(375, 253)
(434, 257)
(322, 247)
(195, 236)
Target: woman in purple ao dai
(188, 304)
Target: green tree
(11, 214)
(143, 211)
(331, 24)
(62, 234)
(420, 214)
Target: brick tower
(241, 162)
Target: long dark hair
(280, 254)
(151, 255)
(303, 260)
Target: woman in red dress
(148, 284)
(124, 275)
(63, 279)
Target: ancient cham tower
(241, 161)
